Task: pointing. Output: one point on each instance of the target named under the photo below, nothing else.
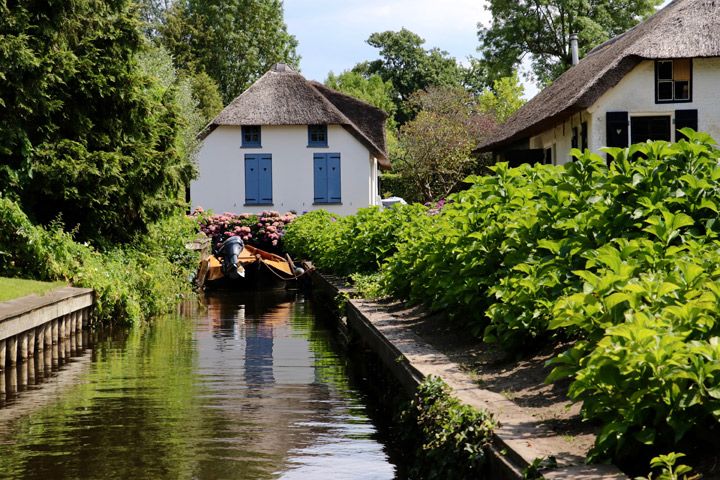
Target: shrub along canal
(251, 387)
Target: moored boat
(237, 264)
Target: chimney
(574, 48)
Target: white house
(291, 144)
(658, 77)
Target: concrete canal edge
(517, 441)
(34, 323)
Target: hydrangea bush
(264, 230)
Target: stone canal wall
(35, 323)
(518, 440)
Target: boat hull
(259, 269)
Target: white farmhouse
(291, 144)
(649, 82)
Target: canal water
(248, 386)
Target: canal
(247, 386)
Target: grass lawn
(17, 287)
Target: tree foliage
(234, 41)
(206, 94)
(542, 28)
(375, 91)
(84, 133)
(504, 99)
(409, 67)
(437, 143)
(371, 89)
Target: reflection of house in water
(259, 374)
(258, 354)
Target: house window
(317, 136)
(673, 80)
(646, 128)
(250, 136)
(326, 174)
(548, 158)
(258, 179)
(583, 136)
(574, 142)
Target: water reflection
(248, 386)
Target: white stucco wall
(560, 138)
(221, 181)
(635, 94)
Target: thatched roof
(284, 97)
(683, 29)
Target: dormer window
(673, 80)
(317, 136)
(251, 136)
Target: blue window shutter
(333, 168)
(251, 179)
(265, 179)
(320, 177)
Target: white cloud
(333, 34)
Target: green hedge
(132, 283)
(356, 243)
(621, 260)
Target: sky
(332, 34)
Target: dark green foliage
(307, 236)
(234, 41)
(622, 261)
(357, 243)
(542, 29)
(84, 134)
(622, 258)
(371, 89)
(207, 95)
(409, 67)
(131, 283)
(436, 144)
(395, 185)
(447, 439)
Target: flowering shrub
(435, 207)
(264, 231)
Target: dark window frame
(672, 81)
(251, 136)
(665, 119)
(320, 134)
(575, 140)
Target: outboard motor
(230, 251)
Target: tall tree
(152, 13)
(503, 99)
(206, 94)
(234, 41)
(373, 90)
(542, 29)
(410, 67)
(437, 143)
(370, 89)
(85, 134)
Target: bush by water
(622, 261)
